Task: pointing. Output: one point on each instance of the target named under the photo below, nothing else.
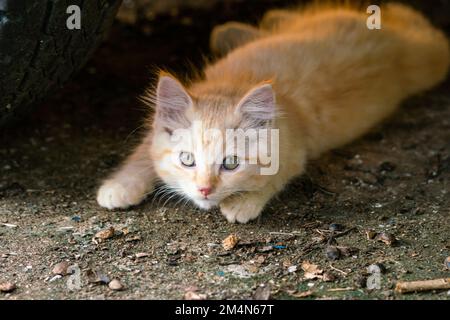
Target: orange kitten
(320, 77)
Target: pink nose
(205, 191)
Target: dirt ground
(396, 180)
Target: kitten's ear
(258, 106)
(172, 101)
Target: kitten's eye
(230, 163)
(187, 159)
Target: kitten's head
(205, 146)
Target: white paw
(241, 210)
(113, 194)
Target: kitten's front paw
(113, 194)
(241, 210)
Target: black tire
(37, 50)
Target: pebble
(61, 268)
(116, 285)
(7, 287)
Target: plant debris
(302, 294)
(230, 242)
(422, 285)
(312, 271)
(103, 235)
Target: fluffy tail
(428, 50)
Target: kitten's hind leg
(131, 183)
(227, 37)
(275, 18)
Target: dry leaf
(103, 235)
(230, 242)
(312, 271)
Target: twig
(282, 233)
(340, 289)
(339, 270)
(422, 285)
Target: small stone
(230, 242)
(116, 285)
(140, 255)
(332, 253)
(7, 287)
(61, 268)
